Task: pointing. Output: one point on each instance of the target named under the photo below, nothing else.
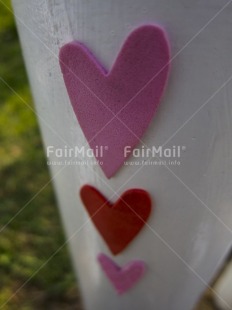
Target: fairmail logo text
(67, 152)
(161, 152)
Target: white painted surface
(192, 222)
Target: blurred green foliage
(30, 238)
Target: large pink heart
(123, 279)
(115, 108)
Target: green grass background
(29, 239)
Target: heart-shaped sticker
(122, 278)
(120, 222)
(115, 108)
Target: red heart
(120, 222)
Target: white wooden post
(191, 224)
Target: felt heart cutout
(123, 278)
(131, 90)
(120, 222)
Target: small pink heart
(131, 90)
(123, 278)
